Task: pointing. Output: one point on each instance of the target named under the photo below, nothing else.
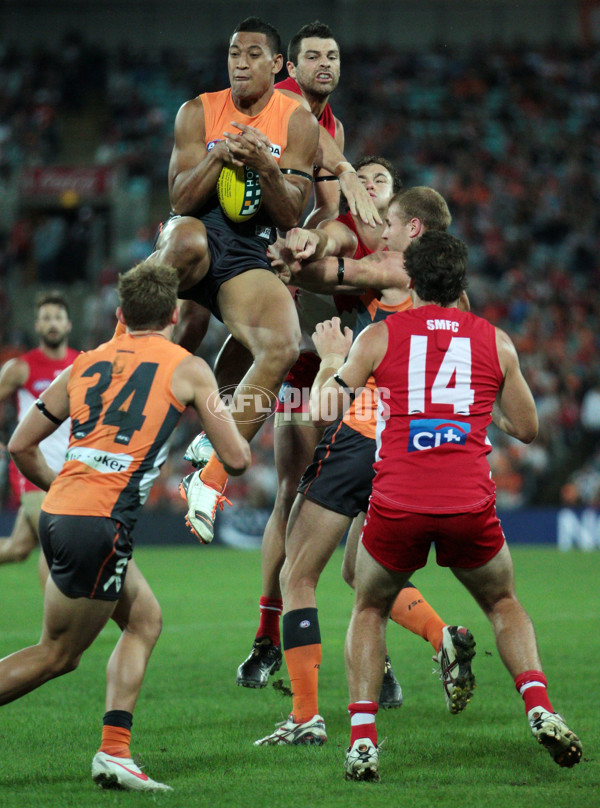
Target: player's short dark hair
(425, 204)
(54, 298)
(436, 262)
(255, 25)
(148, 295)
(374, 159)
(317, 29)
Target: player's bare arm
(336, 384)
(359, 202)
(37, 424)
(380, 270)
(327, 187)
(330, 238)
(514, 410)
(194, 384)
(193, 172)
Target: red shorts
(400, 540)
(294, 394)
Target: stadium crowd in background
(508, 140)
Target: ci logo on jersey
(430, 433)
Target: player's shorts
(400, 540)
(294, 395)
(234, 248)
(31, 503)
(87, 555)
(341, 474)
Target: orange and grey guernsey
(272, 121)
(122, 413)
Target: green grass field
(194, 728)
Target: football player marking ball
(238, 189)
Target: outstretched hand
(359, 202)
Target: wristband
(344, 386)
(328, 178)
(340, 275)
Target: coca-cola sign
(85, 181)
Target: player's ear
(277, 63)
(291, 69)
(119, 313)
(416, 227)
(175, 316)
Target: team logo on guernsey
(430, 433)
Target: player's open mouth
(324, 76)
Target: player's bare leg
(313, 534)
(138, 615)
(22, 540)
(139, 618)
(193, 324)
(183, 244)
(232, 363)
(294, 448)
(492, 586)
(350, 550)
(390, 695)
(308, 549)
(43, 571)
(70, 626)
(259, 312)
(376, 590)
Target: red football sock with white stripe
(362, 720)
(270, 612)
(532, 687)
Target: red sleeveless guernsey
(437, 382)
(326, 119)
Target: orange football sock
(214, 474)
(412, 611)
(303, 663)
(119, 329)
(115, 741)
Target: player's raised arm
(359, 202)
(193, 171)
(338, 382)
(514, 410)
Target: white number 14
(456, 363)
